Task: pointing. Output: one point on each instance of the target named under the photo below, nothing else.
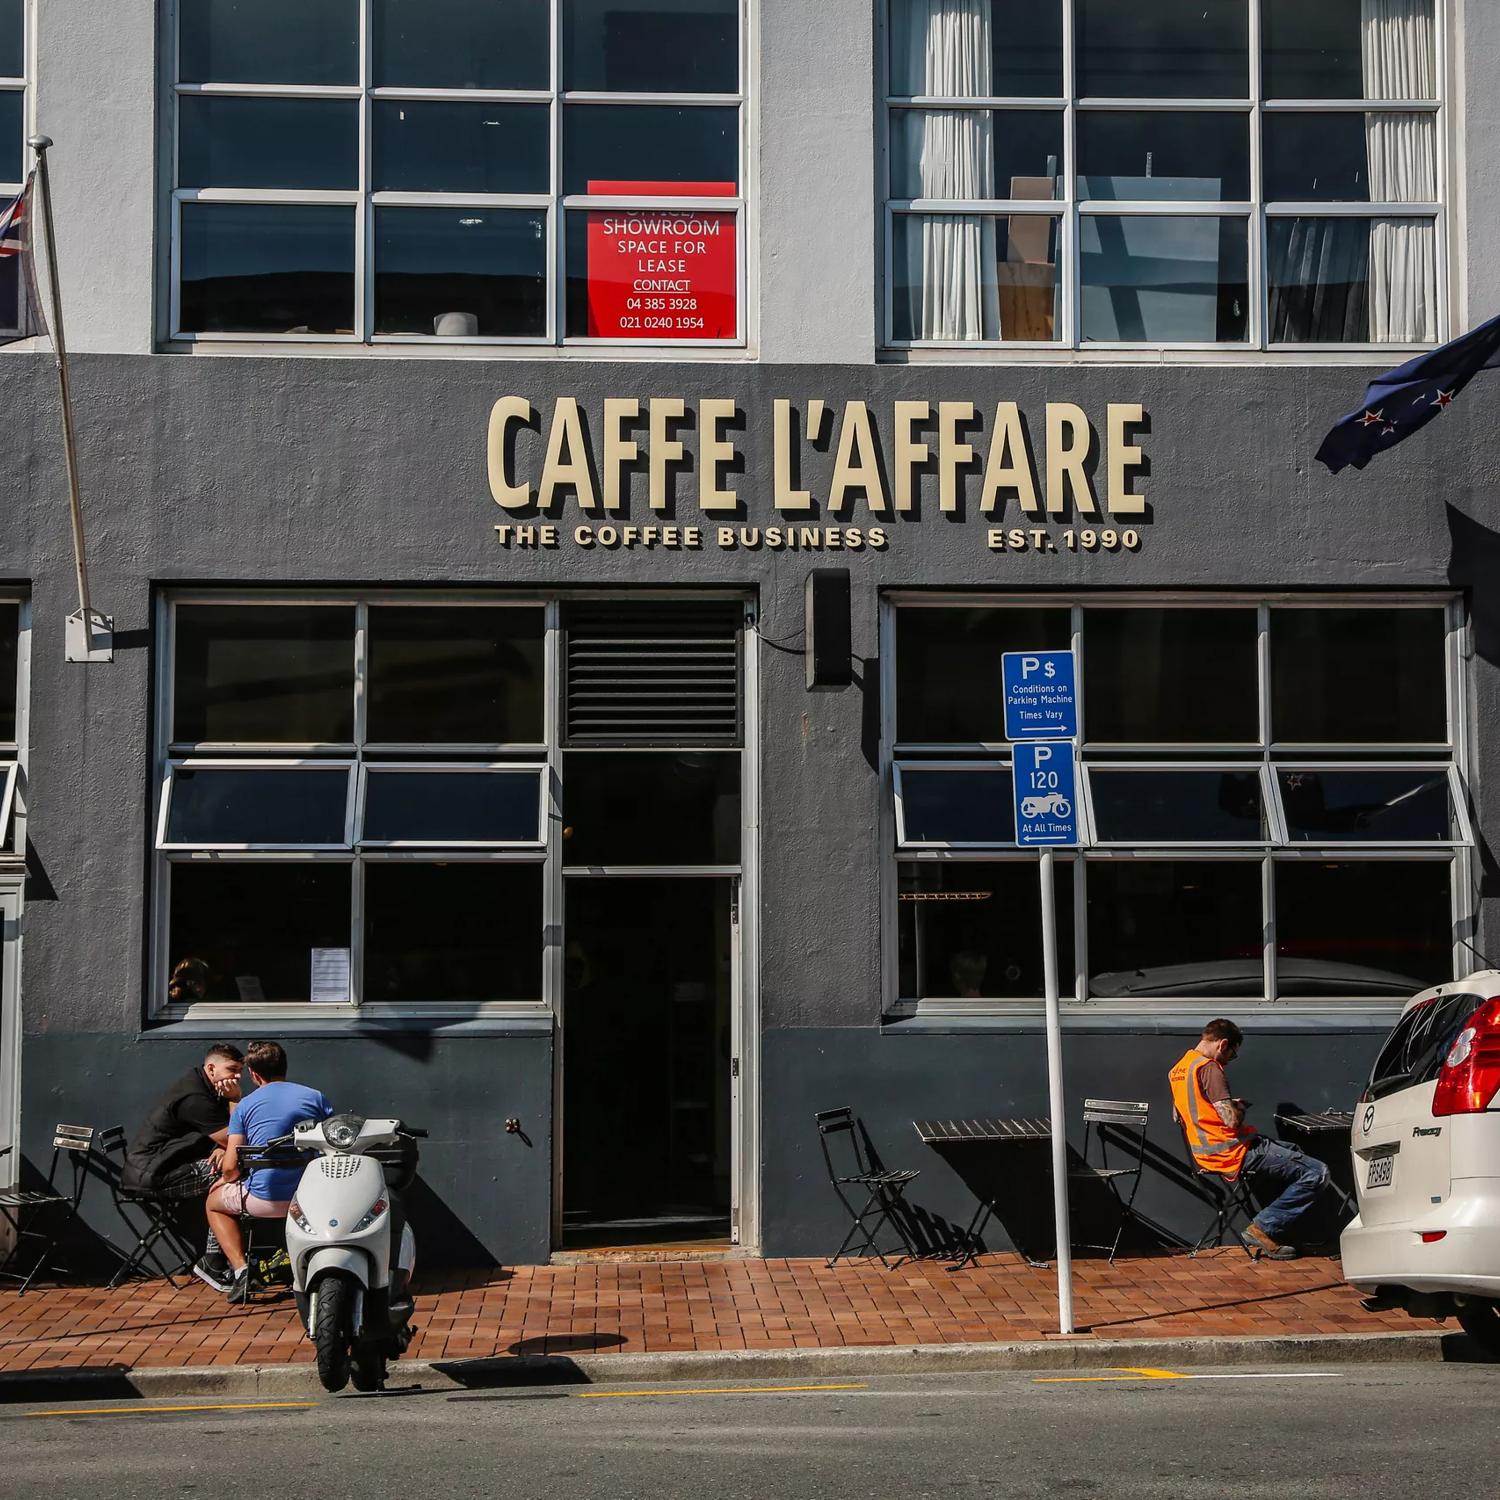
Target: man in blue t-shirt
(271, 1111)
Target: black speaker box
(829, 641)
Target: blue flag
(1409, 397)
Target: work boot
(1262, 1246)
(213, 1270)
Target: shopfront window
(1195, 173)
(1253, 825)
(412, 170)
(13, 151)
(373, 799)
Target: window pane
(1175, 927)
(264, 674)
(1382, 928)
(258, 806)
(971, 153)
(267, 268)
(280, 143)
(454, 676)
(1170, 676)
(1178, 807)
(974, 931)
(948, 669)
(1352, 281)
(255, 925)
(422, 942)
(1339, 157)
(1164, 280)
(461, 148)
(652, 46)
(12, 38)
(470, 272)
(966, 276)
(1013, 49)
(1358, 676)
(10, 636)
(451, 807)
(269, 41)
(619, 290)
(1146, 155)
(650, 148)
(638, 808)
(957, 807)
(456, 44)
(1378, 806)
(1318, 51)
(12, 137)
(1168, 49)
(10, 294)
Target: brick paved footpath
(707, 1305)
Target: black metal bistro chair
(265, 1239)
(160, 1240)
(854, 1177)
(1127, 1119)
(1230, 1198)
(22, 1208)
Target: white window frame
(1255, 211)
(10, 772)
(535, 769)
(1460, 854)
(1462, 835)
(1273, 833)
(300, 766)
(957, 768)
(20, 85)
(555, 204)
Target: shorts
(237, 1198)
(191, 1180)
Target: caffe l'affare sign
(566, 472)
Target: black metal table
(1317, 1128)
(983, 1132)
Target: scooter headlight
(300, 1219)
(342, 1130)
(376, 1209)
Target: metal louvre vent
(338, 1167)
(653, 673)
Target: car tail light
(1470, 1076)
(1432, 1236)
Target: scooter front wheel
(333, 1329)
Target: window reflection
(261, 805)
(957, 807)
(654, 145)
(280, 143)
(12, 39)
(1171, 49)
(651, 46)
(1007, 49)
(12, 137)
(1370, 806)
(1342, 49)
(1148, 155)
(451, 807)
(1329, 156)
(269, 41)
(446, 147)
(456, 44)
(1169, 807)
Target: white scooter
(352, 1251)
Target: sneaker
(214, 1271)
(238, 1289)
(1262, 1246)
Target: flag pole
(96, 640)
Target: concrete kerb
(276, 1381)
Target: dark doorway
(647, 1050)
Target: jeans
(1300, 1177)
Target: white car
(1426, 1145)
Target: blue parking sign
(1041, 695)
(1046, 800)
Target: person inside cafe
(1213, 1120)
(275, 1106)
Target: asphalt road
(1289, 1432)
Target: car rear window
(1415, 1050)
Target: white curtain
(1399, 59)
(942, 47)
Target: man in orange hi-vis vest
(1214, 1123)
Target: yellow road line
(721, 1390)
(144, 1411)
(1128, 1372)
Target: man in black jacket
(175, 1154)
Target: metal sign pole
(1056, 1104)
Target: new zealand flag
(1409, 397)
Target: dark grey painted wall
(372, 471)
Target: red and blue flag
(20, 306)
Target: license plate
(1382, 1170)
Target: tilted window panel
(653, 674)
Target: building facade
(465, 392)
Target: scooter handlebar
(414, 1133)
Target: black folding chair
(22, 1208)
(1126, 1118)
(265, 1239)
(882, 1190)
(151, 1218)
(1230, 1197)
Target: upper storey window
(12, 145)
(1192, 173)
(520, 171)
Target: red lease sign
(662, 273)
